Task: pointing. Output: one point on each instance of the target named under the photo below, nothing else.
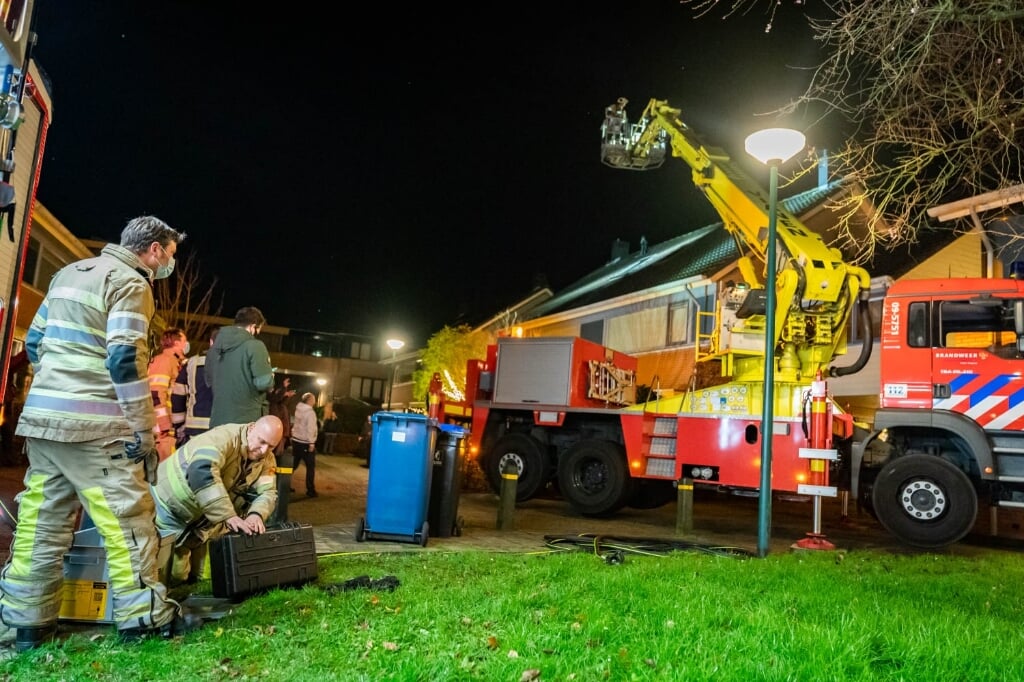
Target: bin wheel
(424, 534)
(360, 529)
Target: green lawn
(574, 615)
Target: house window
(360, 351)
(638, 331)
(40, 265)
(680, 328)
(366, 388)
(875, 308)
(593, 331)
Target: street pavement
(720, 519)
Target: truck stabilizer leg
(820, 441)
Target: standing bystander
(238, 370)
(279, 397)
(304, 432)
(332, 426)
(163, 369)
(88, 423)
(191, 398)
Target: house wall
(962, 258)
(671, 367)
(658, 329)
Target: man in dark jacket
(279, 398)
(238, 370)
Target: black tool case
(241, 565)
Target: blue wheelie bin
(398, 490)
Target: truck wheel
(594, 477)
(924, 501)
(529, 459)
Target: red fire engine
(560, 409)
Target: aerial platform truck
(563, 410)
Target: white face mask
(164, 271)
(186, 348)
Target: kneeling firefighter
(220, 481)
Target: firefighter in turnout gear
(88, 423)
(220, 481)
(163, 370)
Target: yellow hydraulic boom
(816, 289)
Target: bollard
(284, 484)
(684, 506)
(507, 501)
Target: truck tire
(529, 458)
(594, 477)
(924, 501)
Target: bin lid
(396, 416)
(452, 429)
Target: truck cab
(950, 426)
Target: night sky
(401, 169)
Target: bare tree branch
(186, 300)
(931, 98)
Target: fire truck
(949, 432)
(562, 411)
(25, 112)
(947, 438)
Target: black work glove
(144, 450)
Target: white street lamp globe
(395, 344)
(775, 144)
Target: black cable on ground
(613, 549)
(386, 584)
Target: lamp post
(772, 147)
(395, 345)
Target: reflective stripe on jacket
(89, 347)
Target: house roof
(707, 250)
(700, 252)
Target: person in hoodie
(238, 370)
(304, 432)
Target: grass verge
(572, 615)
